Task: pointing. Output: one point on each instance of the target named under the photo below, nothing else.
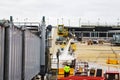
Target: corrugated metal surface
(19, 52)
(15, 55)
(1, 52)
(32, 55)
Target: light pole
(98, 21)
(16, 19)
(57, 21)
(88, 22)
(94, 32)
(48, 21)
(118, 22)
(62, 20)
(79, 21)
(69, 22)
(25, 20)
(106, 23)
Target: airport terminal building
(94, 32)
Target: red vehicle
(112, 75)
(82, 78)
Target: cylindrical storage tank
(1, 52)
(32, 55)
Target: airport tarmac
(96, 53)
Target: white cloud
(87, 10)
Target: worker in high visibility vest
(66, 70)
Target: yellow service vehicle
(72, 46)
(63, 44)
(62, 31)
(112, 61)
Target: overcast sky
(89, 11)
